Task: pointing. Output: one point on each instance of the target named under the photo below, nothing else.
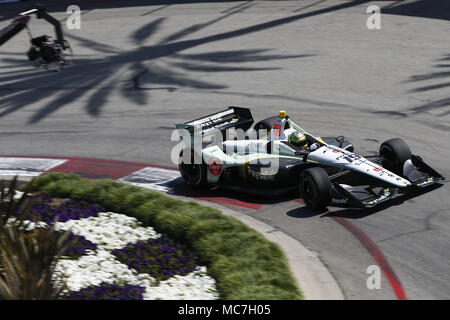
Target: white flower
(193, 286)
(109, 230)
(29, 225)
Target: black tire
(193, 174)
(395, 152)
(315, 188)
(265, 124)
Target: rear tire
(315, 188)
(193, 174)
(395, 152)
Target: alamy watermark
(374, 280)
(74, 20)
(373, 22)
(231, 142)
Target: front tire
(395, 152)
(193, 174)
(315, 188)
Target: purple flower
(77, 246)
(106, 291)
(70, 209)
(158, 258)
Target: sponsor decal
(293, 164)
(266, 175)
(214, 166)
(215, 124)
(386, 194)
(428, 181)
(339, 201)
(349, 157)
(212, 119)
(276, 130)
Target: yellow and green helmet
(297, 139)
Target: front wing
(420, 174)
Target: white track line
(30, 167)
(152, 178)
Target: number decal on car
(276, 129)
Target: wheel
(265, 124)
(395, 153)
(315, 188)
(193, 174)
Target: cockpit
(292, 135)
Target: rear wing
(233, 117)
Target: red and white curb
(160, 178)
(315, 280)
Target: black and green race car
(325, 170)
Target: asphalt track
(140, 69)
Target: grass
(244, 263)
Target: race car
(277, 156)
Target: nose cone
(401, 183)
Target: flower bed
(112, 256)
(243, 263)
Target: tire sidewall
(197, 180)
(395, 151)
(316, 179)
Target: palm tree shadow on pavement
(162, 64)
(435, 9)
(441, 73)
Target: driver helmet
(298, 139)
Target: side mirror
(341, 140)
